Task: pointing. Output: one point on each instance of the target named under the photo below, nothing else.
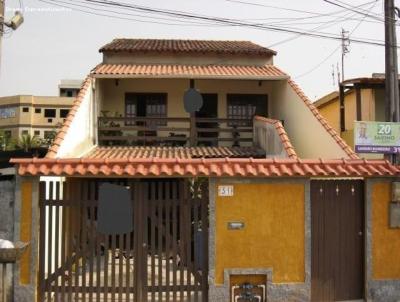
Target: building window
(36, 133)
(49, 120)
(38, 110)
(146, 105)
(246, 106)
(25, 109)
(48, 134)
(49, 113)
(7, 134)
(25, 132)
(64, 113)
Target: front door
(337, 231)
(163, 258)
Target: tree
(27, 142)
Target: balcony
(174, 131)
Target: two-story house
(250, 197)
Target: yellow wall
(26, 230)
(385, 241)
(331, 112)
(273, 236)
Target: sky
(60, 38)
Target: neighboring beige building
(69, 88)
(363, 100)
(34, 115)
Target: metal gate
(164, 258)
(337, 231)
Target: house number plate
(225, 190)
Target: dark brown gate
(164, 258)
(337, 229)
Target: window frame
(245, 100)
(50, 117)
(145, 98)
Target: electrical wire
(235, 22)
(332, 53)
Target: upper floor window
(146, 105)
(50, 113)
(246, 106)
(64, 113)
(25, 109)
(38, 110)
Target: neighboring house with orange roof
(253, 194)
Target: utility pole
(391, 71)
(2, 20)
(345, 48)
(392, 104)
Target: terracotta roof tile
(186, 46)
(322, 120)
(185, 71)
(218, 167)
(126, 153)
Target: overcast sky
(57, 42)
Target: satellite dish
(192, 100)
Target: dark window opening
(246, 106)
(7, 134)
(25, 109)
(49, 120)
(146, 105)
(36, 133)
(48, 134)
(25, 132)
(69, 93)
(64, 113)
(38, 110)
(49, 113)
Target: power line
(233, 22)
(333, 52)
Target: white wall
(308, 136)
(79, 138)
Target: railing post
(193, 130)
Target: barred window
(245, 107)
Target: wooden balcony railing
(174, 131)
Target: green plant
(110, 124)
(27, 142)
(6, 142)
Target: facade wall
(273, 236)
(192, 59)
(385, 241)
(382, 244)
(32, 121)
(80, 137)
(331, 112)
(301, 125)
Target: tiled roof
(193, 71)
(227, 167)
(323, 121)
(75, 106)
(173, 152)
(186, 46)
(287, 145)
